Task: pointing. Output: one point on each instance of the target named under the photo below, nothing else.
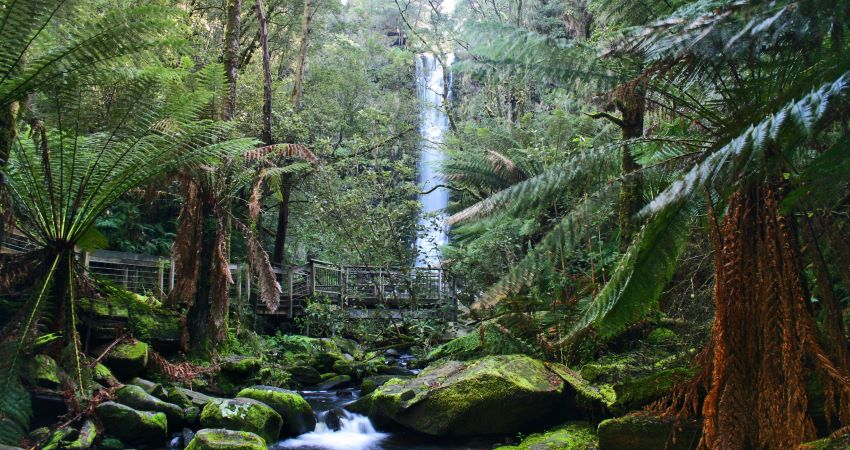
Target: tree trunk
(763, 333)
(8, 133)
(231, 56)
(267, 75)
(279, 254)
(306, 18)
(198, 332)
(186, 250)
(632, 107)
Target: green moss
(343, 367)
(647, 432)
(55, 441)
(45, 371)
(495, 342)
(111, 444)
(335, 382)
(131, 425)
(102, 373)
(587, 394)
(146, 317)
(297, 414)
(243, 414)
(661, 336)
(576, 436)
(638, 392)
(136, 397)
(840, 443)
(219, 439)
(241, 365)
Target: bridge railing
(362, 287)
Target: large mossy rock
(44, 372)
(574, 436)
(305, 375)
(243, 414)
(136, 397)
(128, 359)
(297, 414)
(145, 317)
(647, 432)
(132, 426)
(373, 382)
(221, 439)
(187, 398)
(493, 395)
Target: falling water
(433, 124)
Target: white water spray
(433, 124)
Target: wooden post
(126, 277)
(291, 300)
(312, 278)
(160, 275)
(171, 275)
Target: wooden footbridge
(363, 291)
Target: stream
(350, 431)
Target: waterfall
(433, 124)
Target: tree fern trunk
(763, 332)
(8, 133)
(632, 107)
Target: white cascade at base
(356, 433)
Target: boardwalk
(358, 289)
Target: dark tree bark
(297, 90)
(8, 133)
(632, 108)
(267, 75)
(279, 254)
(231, 56)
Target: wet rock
(181, 396)
(392, 352)
(343, 367)
(492, 395)
(243, 414)
(45, 372)
(136, 397)
(305, 375)
(336, 382)
(297, 414)
(647, 432)
(132, 426)
(85, 438)
(221, 439)
(333, 418)
(155, 389)
(396, 371)
(375, 381)
(574, 436)
(244, 366)
(111, 443)
(128, 359)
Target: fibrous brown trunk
(186, 251)
(763, 342)
(8, 133)
(231, 56)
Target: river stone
(155, 389)
(242, 366)
(180, 396)
(305, 375)
(85, 438)
(493, 395)
(647, 432)
(243, 414)
(334, 382)
(221, 439)
(128, 360)
(375, 381)
(45, 372)
(298, 416)
(133, 426)
(136, 397)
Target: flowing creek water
(338, 429)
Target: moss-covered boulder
(132, 426)
(144, 316)
(493, 395)
(334, 382)
(297, 414)
(128, 359)
(343, 367)
(305, 375)
(574, 436)
(373, 382)
(111, 443)
(221, 439)
(837, 443)
(635, 393)
(242, 366)
(152, 388)
(243, 414)
(44, 372)
(186, 397)
(136, 397)
(85, 438)
(647, 432)
(103, 375)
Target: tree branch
(604, 115)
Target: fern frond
(640, 278)
(741, 157)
